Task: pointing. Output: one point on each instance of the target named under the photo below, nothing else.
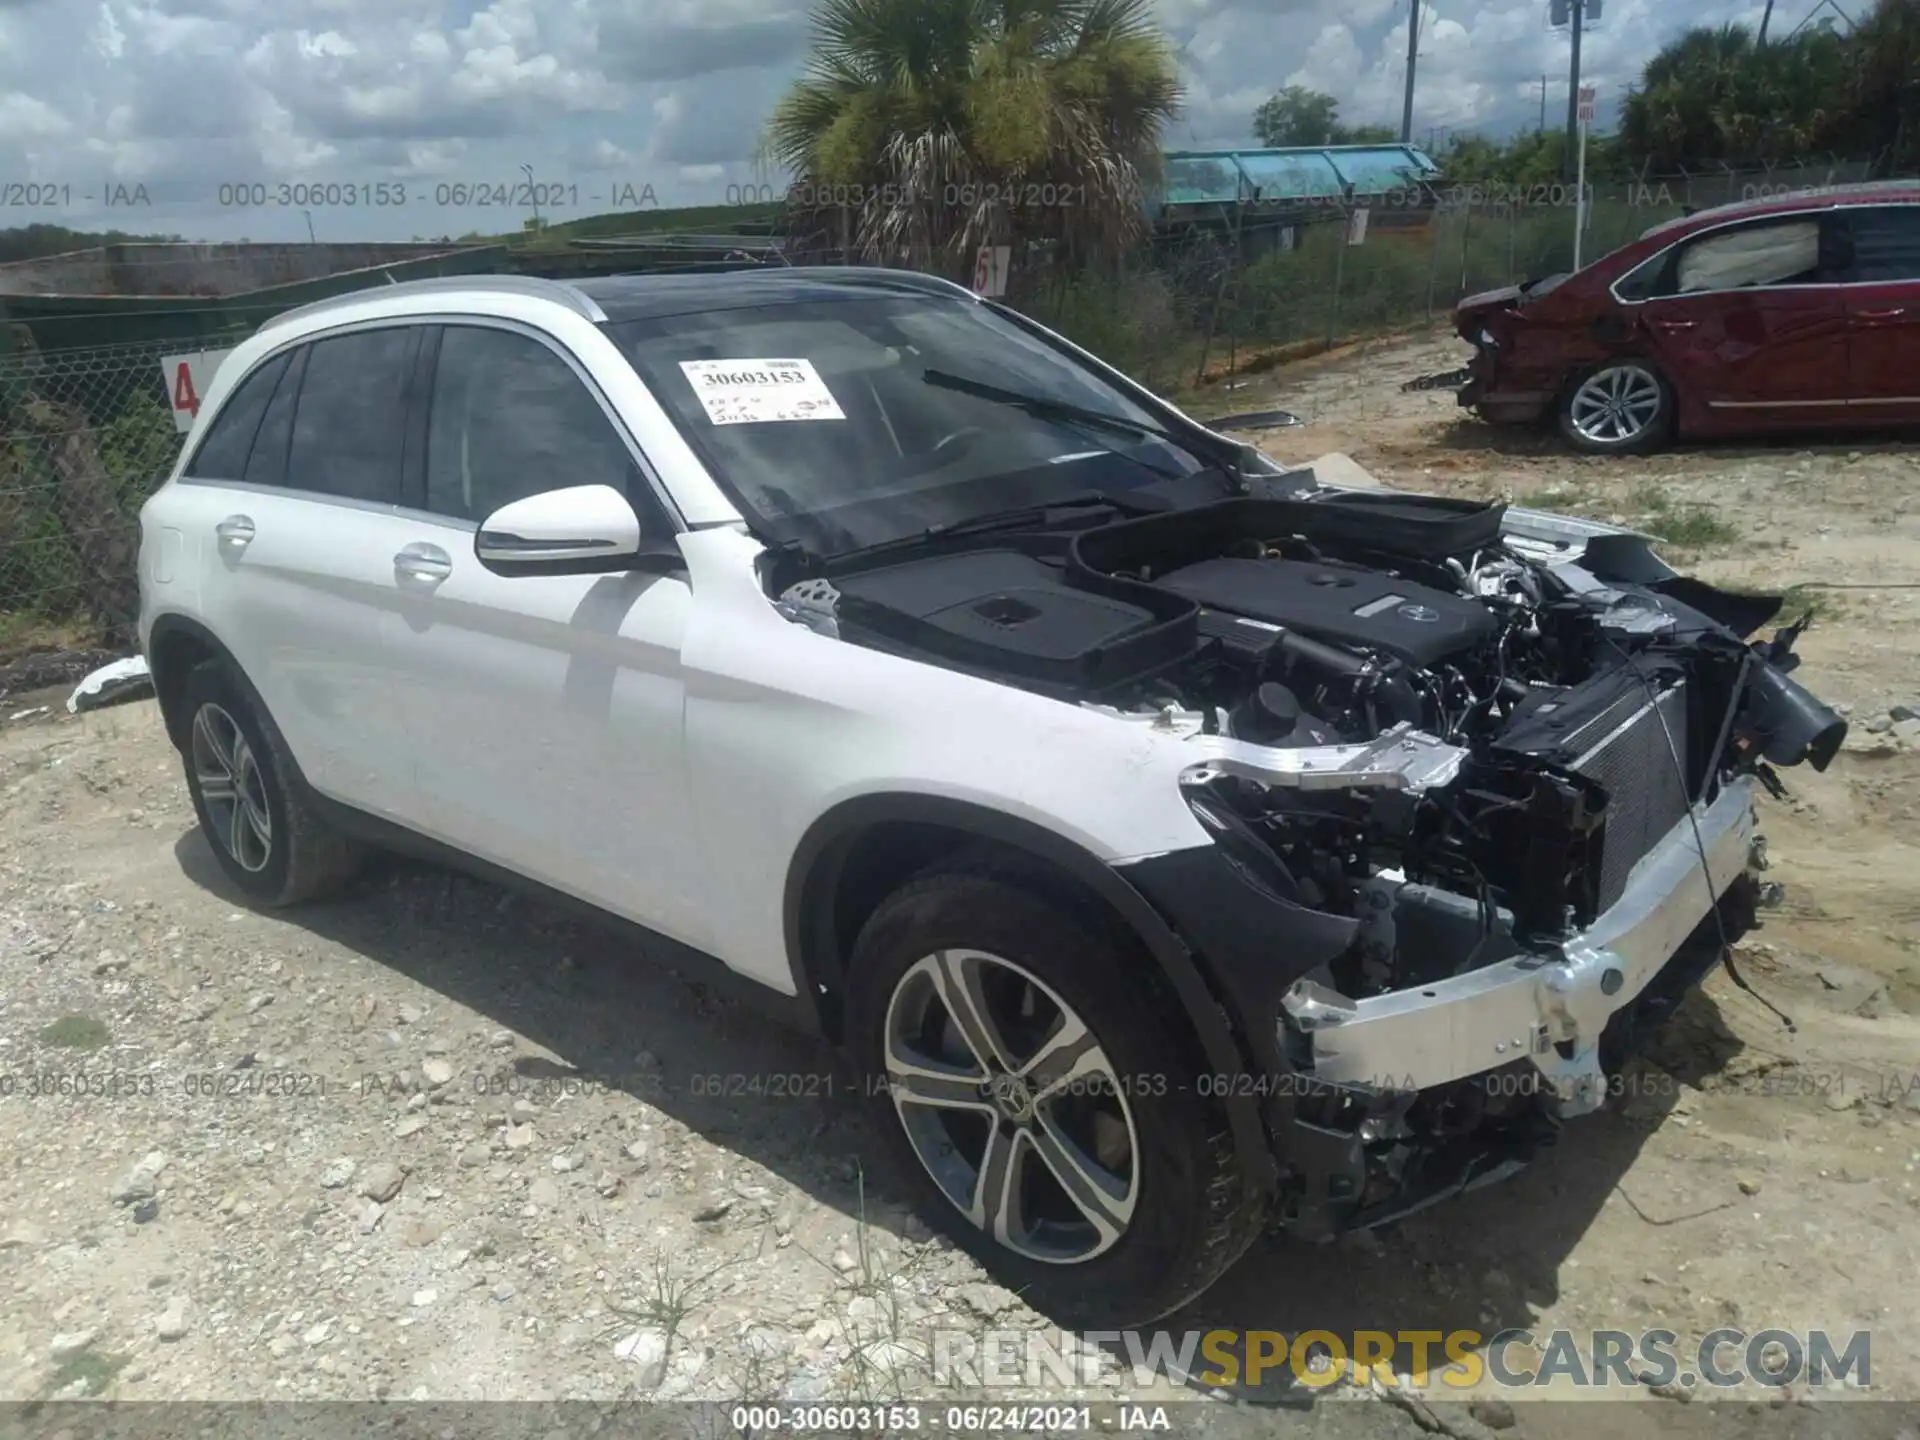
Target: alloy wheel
(1616, 405)
(232, 788)
(1012, 1105)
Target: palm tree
(1714, 95)
(1885, 51)
(943, 125)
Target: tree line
(1711, 97)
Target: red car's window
(1886, 244)
(1778, 254)
(1788, 250)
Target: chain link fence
(1229, 292)
(87, 433)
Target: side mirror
(582, 530)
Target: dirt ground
(435, 1142)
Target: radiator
(1636, 750)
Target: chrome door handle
(235, 532)
(1676, 324)
(1877, 316)
(423, 562)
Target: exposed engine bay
(1475, 727)
(1596, 700)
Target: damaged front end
(1478, 784)
(1470, 935)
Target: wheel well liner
(862, 850)
(174, 646)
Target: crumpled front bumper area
(1546, 1007)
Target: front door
(1751, 319)
(545, 712)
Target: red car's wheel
(1621, 407)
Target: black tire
(304, 856)
(1192, 1212)
(1639, 377)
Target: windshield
(848, 423)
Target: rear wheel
(253, 809)
(1040, 1103)
(1622, 407)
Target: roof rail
(531, 286)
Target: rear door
(300, 504)
(545, 712)
(1751, 318)
(1883, 311)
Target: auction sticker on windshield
(747, 392)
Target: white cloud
(23, 117)
(185, 95)
(108, 38)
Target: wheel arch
(175, 645)
(865, 848)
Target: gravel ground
(432, 1141)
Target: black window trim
(440, 323)
(1832, 212)
(302, 343)
(412, 487)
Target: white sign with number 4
(188, 378)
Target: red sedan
(1785, 313)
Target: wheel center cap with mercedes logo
(1012, 1097)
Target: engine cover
(1340, 604)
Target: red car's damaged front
(1787, 312)
(1525, 338)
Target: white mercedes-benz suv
(1173, 845)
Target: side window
(510, 419)
(1646, 280)
(267, 465)
(1781, 252)
(223, 454)
(349, 419)
(1886, 243)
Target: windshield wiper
(1048, 408)
(1026, 514)
(998, 520)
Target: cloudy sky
(202, 109)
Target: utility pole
(1413, 58)
(1766, 20)
(1543, 105)
(1576, 13)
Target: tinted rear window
(223, 454)
(267, 465)
(349, 425)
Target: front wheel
(1621, 408)
(1038, 1096)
